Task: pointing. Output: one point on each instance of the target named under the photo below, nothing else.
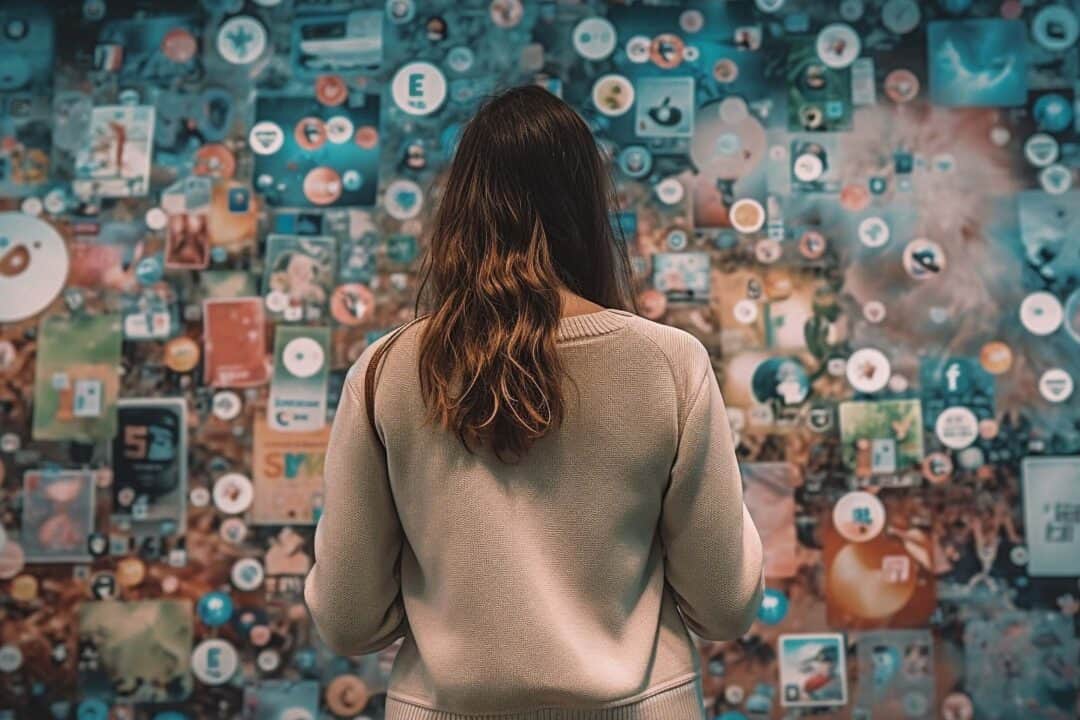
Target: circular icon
(900, 16)
(331, 90)
(874, 311)
(155, 218)
(854, 197)
(303, 357)
(233, 493)
(612, 94)
(859, 516)
(767, 251)
(747, 215)
(773, 608)
(214, 661)
(322, 185)
(226, 405)
(996, 357)
(247, 574)
(1041, 149)
(352, 304)
(923, 259)
(937, 467)
(868, 370)
(310, 133)
(11, 658)
(956, 427)
(182, 354)
(808, 167)
(215, 160)
(266, 138)
(1052, 112)
(179, 45)
(637, 49)
(339, 129)
(1055, 178)
(33, 265)
(233, 530)
(635, 161)
(215, 608)
(1056, 385)
(241, 39)
(1041, 313)
(1019, 555)
(594, 38)
(901, 85)
(745, 311)
(347, 695)
(460, 59)
(666, 50)
(1055, 27)
(418, 88)
(403, 199)
(838, 45)
(812, 245)
(725, 71)
(670, 191)
(873, 232)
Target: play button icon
(266, 138)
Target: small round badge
(1041, 313)
(923, 259)
(956, 427)
(1056, 385)
(418, 88)
(873, 232)
(747, 215)
(838, 45)
(859, 516)
(868, 370)
(214, 661)
(233, 493)
(241, 39)
(613, 94)
(594, 38)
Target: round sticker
(773, 608)
(418, 88)
(339, 129)
(874, 311)
(268, 661)
(808, 166)
(241, 39)
(957, 427)
(923, 259)
(460, 59)
(331, 90)
(179, 45)
(1041, 313)
(182, 354)
(233, 493)
(900, 16)
(155, 218)
(1053, 113)
(901, 85)
(303, 357)
(666, 50)
(215, 608)
(33, 265)
(937, 467)
(233, 530)
(322, 185)
(767, 251)
(347, 695)
(996, 357)
(594, 38)
(226, 405)
(215, 160)
(1055, 27)
(11, 658)
(873, 232)
(352, 304)
(670, 191)
(838, 45)
(745, 311)
(868, 370)
(635, 161)
(1041, 149)
(612, 94)
(859, 516)
(1056, 385)
(310, 133)
(266, 138)
(854, 197)
(637, 49)
(214, 661)
(1055, 179)
(403, 199)
(812, 245)
(747, 215)
(247, 574)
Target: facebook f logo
(952, 374)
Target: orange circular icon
(179, 45)
(310, 133)
(854, 197)
(366, 137)
(215, 160)
(322, 185)
(331, 90)
(666, 50)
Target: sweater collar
(587, 324)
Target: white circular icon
(873, 232)
(859, 516)
(957, 427)
(214, 661)
(874, 311)
(594, 38)
(247, 574)
(1041, 149)
(418, 88)
(226, 405)
(403, 199)
(1041, 313)
(339, 129)
(241, 39)
(233, 493)
(838, 45)
(1056, 385)
(923, 259)
(266, 138)
(155, 218)
(670, 191)
(637, 49)
(303, 357)
(808, 167)
(613, 94)
(1055, 179)
(276, 301)
(868, 370)
(745, 311)
(33, 265)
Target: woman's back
(542, 584)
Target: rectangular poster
(57, 515)
(149, 460)
(1052, 515)
(882, 441)
(813, 670)
(301, 372)
(115, 159)
(76, 382)
(288, 474)
(235, 342)
(896, 674)
(300, 275)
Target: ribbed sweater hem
(678, 699)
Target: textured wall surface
(864, 208)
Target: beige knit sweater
(549, 590)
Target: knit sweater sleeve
(353, 590)
(713, 553)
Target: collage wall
(865, 209)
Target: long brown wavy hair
(526, 207)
